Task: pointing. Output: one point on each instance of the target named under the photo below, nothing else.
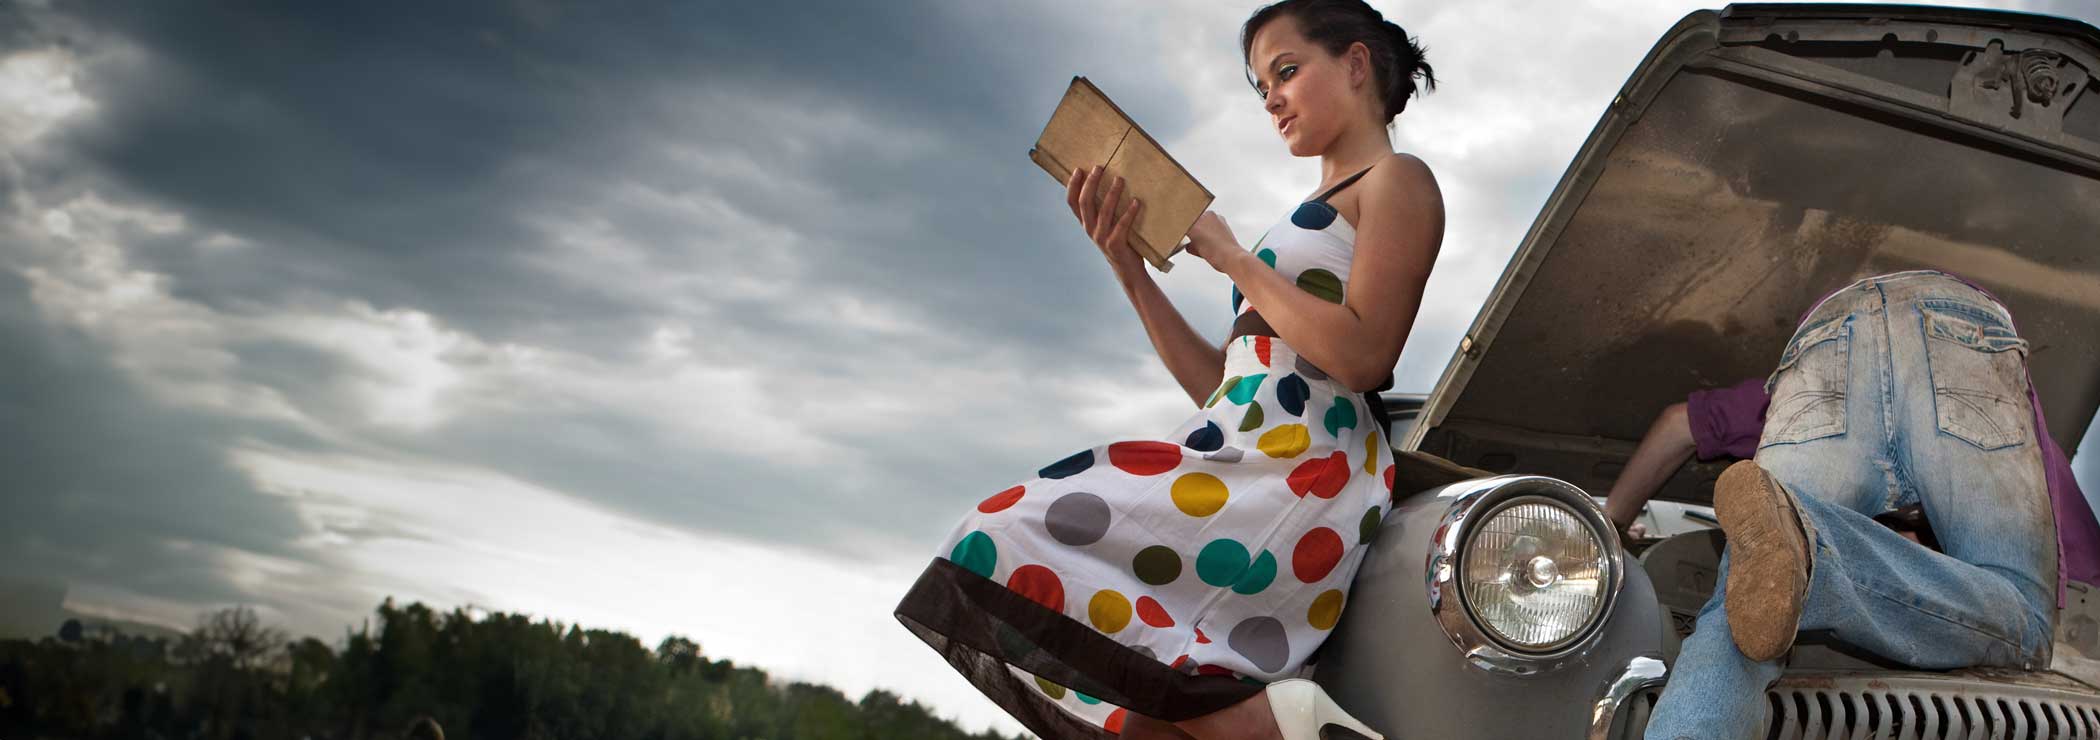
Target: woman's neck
(1361, 146)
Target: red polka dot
(1261, 349)
(1153, 613)
(1389, 476)
(1316, 554)
(1114, 723)
(1176, 665)
(1001, 500)
(1144, 458)
(1200, 639)
(1323, 477)
(1039, 585)
(1212, 670)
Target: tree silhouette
(482, 675)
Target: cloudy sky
(700, 318)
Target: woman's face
(1307, 91)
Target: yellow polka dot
(1371, 454)
(1109, 611)
(1285, 441)
(1053, 690)
(1326, 610)
(1199, 494)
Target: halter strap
(1338, 186)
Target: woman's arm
(1107, 214)
(1358, 341)
(1194, 362)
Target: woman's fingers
(1105, 211)
(1088, 195)
(1072, 184)
(1121, 232)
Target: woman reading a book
(1173, 587)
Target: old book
(1087, 129)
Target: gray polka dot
(1077, 519)
(1145, 651)
(1226, 454)
(1262, 641)
(1308, 369)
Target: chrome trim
(1641, 672)
(1471, 499)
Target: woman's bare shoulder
(1402, 175)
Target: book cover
(1088, 129)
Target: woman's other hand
(1107, 216)
(1212, 240)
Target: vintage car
(1759, 157)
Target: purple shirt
(1728, 421)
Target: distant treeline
(499, 676)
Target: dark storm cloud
(388, 152)
(431, 157)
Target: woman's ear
(1359, 64)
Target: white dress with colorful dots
(1175, 575)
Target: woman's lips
(1285, 127)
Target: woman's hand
(1107, 217)
(1212, 240)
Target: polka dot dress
(1224, 548)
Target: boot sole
(1768, 567)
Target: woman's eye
(1285, 73)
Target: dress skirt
(1171, 577)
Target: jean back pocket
(1808, 387)
(1979, 374)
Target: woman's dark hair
(1396, 58)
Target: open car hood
(1759, 158)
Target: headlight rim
(1471, 503)
(1608, 566)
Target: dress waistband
(1251, 324)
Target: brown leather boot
(1768, 563)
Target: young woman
(1169, 587)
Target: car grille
(1913, 706)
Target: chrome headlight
(1522, 571)
(1533, 573)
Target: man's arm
(1662, 451)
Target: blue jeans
(1898, 389)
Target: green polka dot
(1157, 565)
(1342, 415)
(1221, 563)
(1321, 283)
(976, 554)
(1268, 257)
(1258, 576)
(1367, 529)
(1243, 392)
(1053, 690)
(1229, 384)
(1252, 420)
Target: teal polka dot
(1342, 415)
(1268, 257)
(1244, 391)
(1084, 699)
(976, 554)
(1221, 563)
(1258, 576)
